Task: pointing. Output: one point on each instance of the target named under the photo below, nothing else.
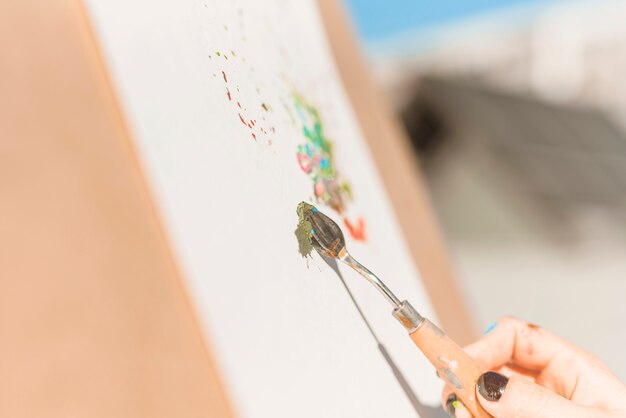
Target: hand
(535, 374)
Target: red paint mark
(224, 75)
(254, 136)
(269, 142)
(249, 125)
(228, 94)
(239, 104)
(305, 165)
(242, 119)
(252, 122)
(356, 231)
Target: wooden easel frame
(95, 320)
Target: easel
(95, 319)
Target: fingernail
(490, 328)
(451, 404)
(491, 385)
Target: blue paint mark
(490, 328)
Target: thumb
(518, 397)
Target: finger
(585, 383)
(511, 369)
(520, 398)
(524, 344)
(453, 405)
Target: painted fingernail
(451, 404)
(490, 328)
(491, 385)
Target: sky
(378, 20)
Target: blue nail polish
(491, 327)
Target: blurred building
(518, 117)
(508, 167)
(563, 52)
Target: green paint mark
(289, 112)
(218, 53)
(265, 106)
(455, 404)
(304, 229)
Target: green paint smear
(304, 229)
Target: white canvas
(286, 337)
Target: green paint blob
(304, 229)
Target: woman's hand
(538, 375)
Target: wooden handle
(454, 365)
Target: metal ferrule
(408, 316)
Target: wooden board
(94, 320)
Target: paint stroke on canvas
(314, 151)
(238, 115)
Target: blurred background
(517, 111)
